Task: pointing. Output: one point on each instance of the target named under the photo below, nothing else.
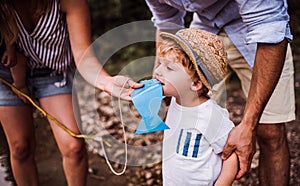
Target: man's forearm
(267, 69)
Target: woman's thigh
(61, 107)
(17, 123)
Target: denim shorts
(40, 82)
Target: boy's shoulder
(214, 106)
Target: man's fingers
(243, 169)
(244, 163)
(240, 174)
(227, 151)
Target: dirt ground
(50, 165)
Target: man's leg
(279, 110)
(274, 162)
(274, 159)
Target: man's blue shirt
(246, 22)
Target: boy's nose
(157, 71)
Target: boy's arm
(228, 171)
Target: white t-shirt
(192, 145)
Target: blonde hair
(9, 28)
(170, 49)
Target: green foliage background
(107, 15)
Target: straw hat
(205, 50)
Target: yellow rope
(49, 116)
(69, 131)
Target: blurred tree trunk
(294, 6)
(294, 11)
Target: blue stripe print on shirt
(187, 143)
(178, 142)
(196, 146)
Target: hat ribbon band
(210, 78)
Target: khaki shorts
(281, 106)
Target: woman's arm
(78, 21)
(9, 58)
(18, 73)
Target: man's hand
(241, 140)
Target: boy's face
(173, 76)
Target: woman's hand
(23, 89)
(78, 21)
(121, 86)
(9, 58)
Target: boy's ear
(196, 85)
